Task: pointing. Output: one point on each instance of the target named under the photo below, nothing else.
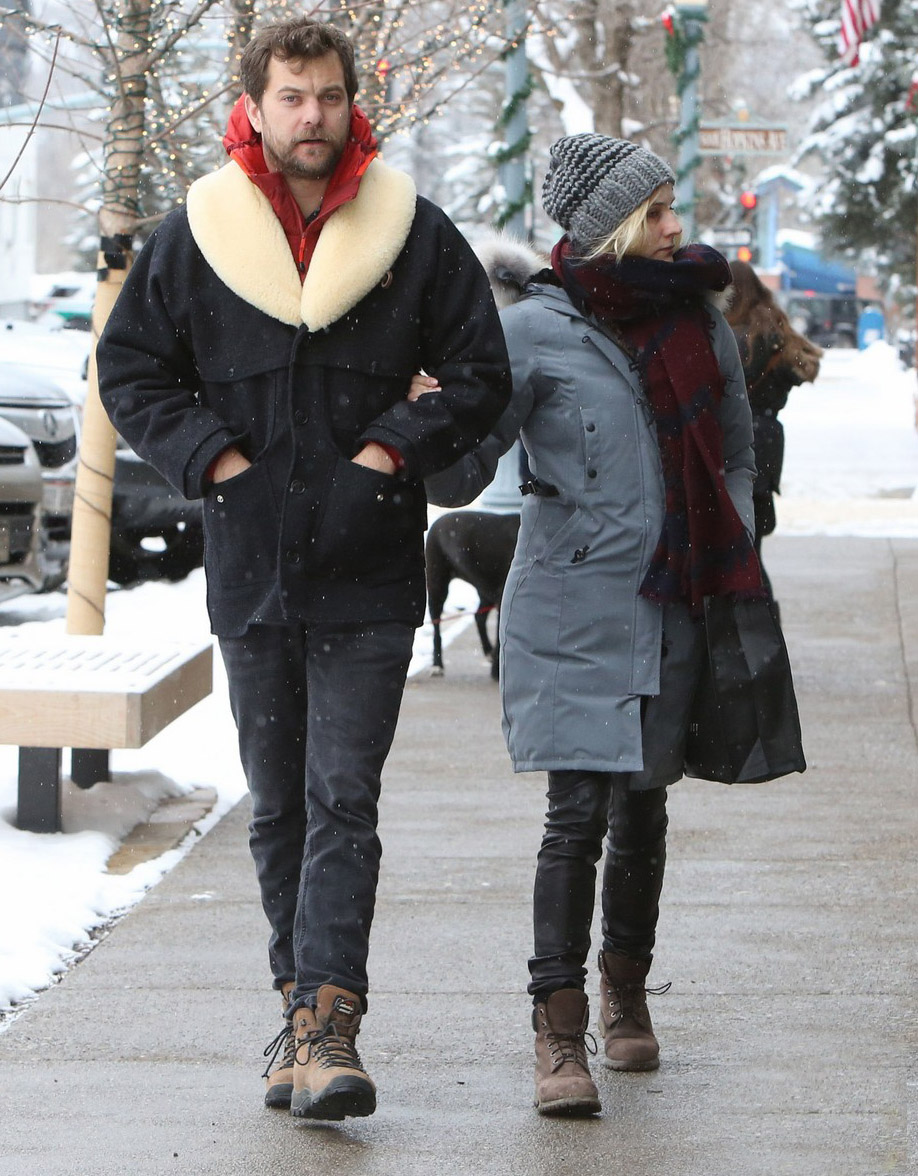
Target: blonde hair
(630, 235)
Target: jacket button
(220, 498)
(297, 487)
(591, 428)
(292, 556)
(591, 473)
(300, 417)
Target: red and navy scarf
(656, 311)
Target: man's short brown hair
(300, 39)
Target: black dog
(475, 546)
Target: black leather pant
(584, 808)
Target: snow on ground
(851, 449)
(851, 467)
(54, 891)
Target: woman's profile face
(662, 232)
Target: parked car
(828, 320)
(156, 532)
(50, 420)
(21, 493)
(68, 301)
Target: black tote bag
(744, 726)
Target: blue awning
(805, 270)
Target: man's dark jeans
(316, 708)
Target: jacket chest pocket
(591, 440)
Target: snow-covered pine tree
(865, 131)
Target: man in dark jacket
(260, 357)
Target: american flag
(856, 18)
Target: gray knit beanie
(595, 182)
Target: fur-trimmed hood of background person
(510, 264)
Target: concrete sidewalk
(788, 931)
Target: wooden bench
(91, 694)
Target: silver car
(21, 494)
(49, 418)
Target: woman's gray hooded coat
(579, 645)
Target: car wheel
(171, 555)
(54, 580)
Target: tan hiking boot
(624, 1019)
(329, 1081)
(563, 1085)
(279, 1080)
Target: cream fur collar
(236, 229)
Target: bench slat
(94, 692)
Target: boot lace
(570, 1047)
(629, 1000)
(330, 1048)
(285, 1041)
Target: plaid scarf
(655, 311)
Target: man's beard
(288, 163)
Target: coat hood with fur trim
(510, 264)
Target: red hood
(243, 144)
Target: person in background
(775, 359)
(260, 356)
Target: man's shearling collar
(237, 231)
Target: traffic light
(748, 200)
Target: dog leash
(483, 611)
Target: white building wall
(17, 219)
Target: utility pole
(684, 21)
(512, 155)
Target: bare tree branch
(46, 200)
(48, 28)
(31, 131)
(69, 128)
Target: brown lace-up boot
(329, 1081)
(279, 1081)
(624, 1019)
(563, 1085)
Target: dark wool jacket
(213, 341)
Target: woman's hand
(422, 384)
(374, 456)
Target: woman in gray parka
(628, 394)
(633, 412)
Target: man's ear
(251, 109)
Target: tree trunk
(242, 19)
(609, 91)
(91, 533)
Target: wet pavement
(788, 931)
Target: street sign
(741, 139)
(732, 236)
